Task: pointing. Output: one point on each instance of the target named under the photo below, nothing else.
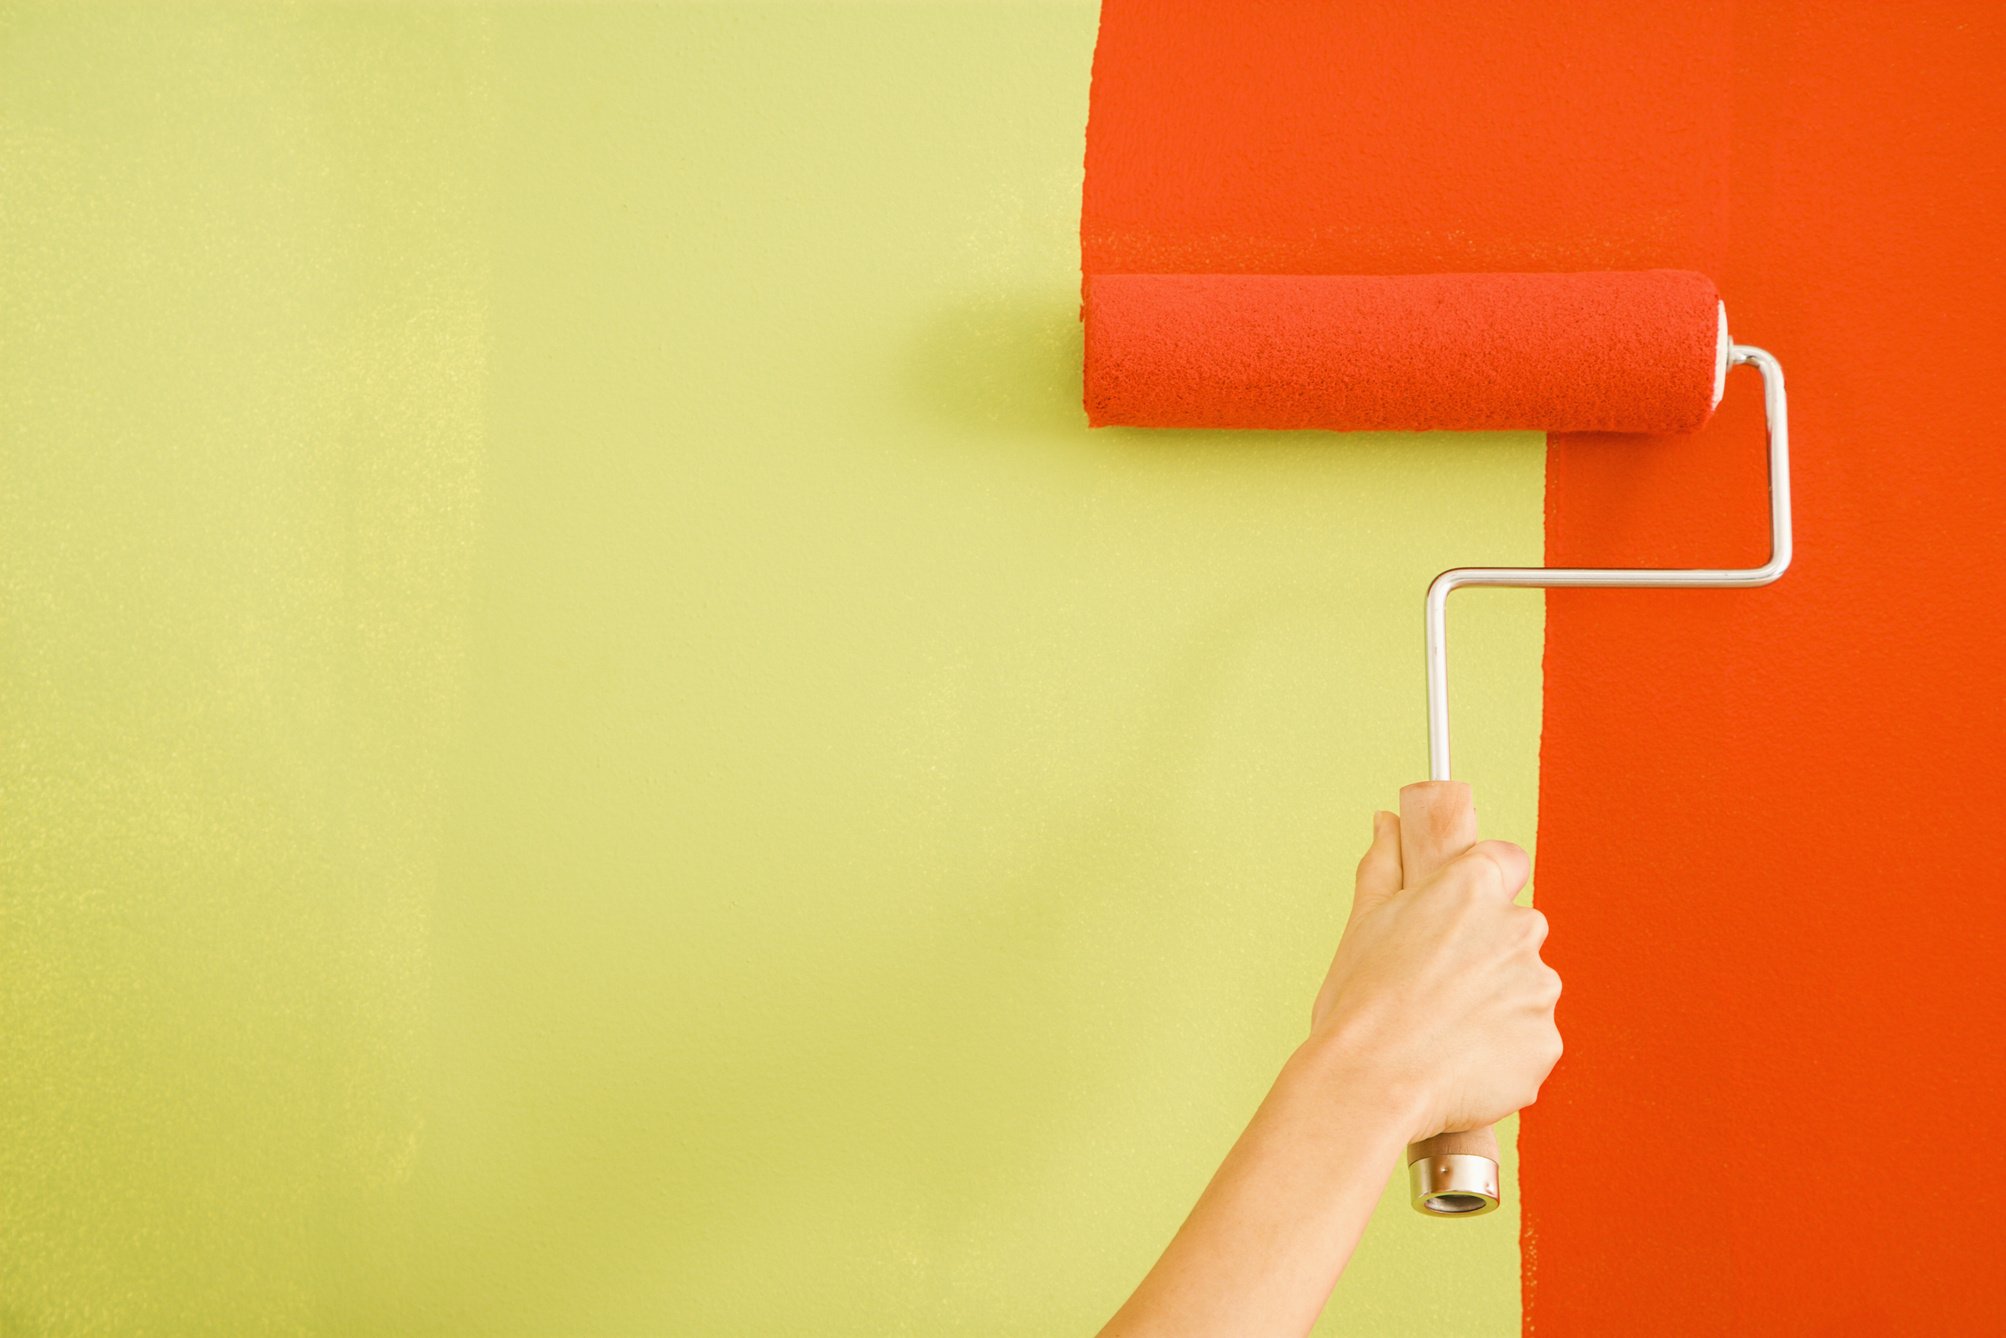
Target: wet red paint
(1637, 351)
(1770, 828)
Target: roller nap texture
(1600, 352)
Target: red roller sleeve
(1602, 352)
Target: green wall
(587, 742)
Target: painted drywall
(1771, 892)
(246, 313)
(1801, 970)
(590, 743)
(1218, 147)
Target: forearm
(1437, 1013)
(1261, 1251)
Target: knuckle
(1479, 875)
(1502, 866)
(1543, 990)
(1492, 868)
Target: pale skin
(1436, 1015)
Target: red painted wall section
(1770, 830)
(1306, 137)
(1770, 827)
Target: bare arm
(1437, 1014)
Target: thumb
(1379, 870)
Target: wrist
(1343, 1067)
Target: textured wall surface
(588, 744)
(1770, 871)
(1220, 144)
(1790, 957)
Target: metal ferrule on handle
(1446, 1179)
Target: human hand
(1437, 1015)
(1438, 990)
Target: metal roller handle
(1456, 1175)
(1541, 578)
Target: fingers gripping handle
(1451, 1175)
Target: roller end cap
(1458, 1185)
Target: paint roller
(1621, 352)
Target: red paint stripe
(1771, 870)
(1791, 959)
(1631, 352)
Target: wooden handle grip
(1453, 1175)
